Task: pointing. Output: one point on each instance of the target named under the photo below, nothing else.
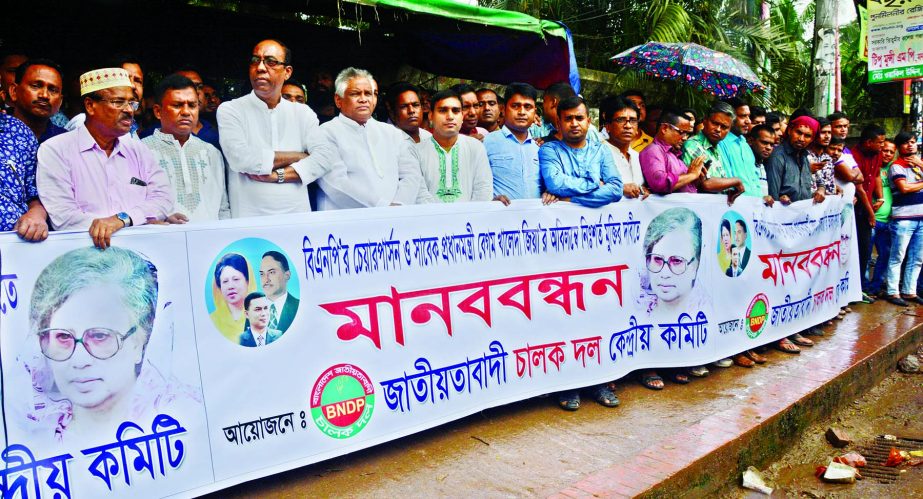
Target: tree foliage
(775, 49)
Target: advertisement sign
(895, 40)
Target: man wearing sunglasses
(264, 140)
(663, 169)
(96, 177)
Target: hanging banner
(895, 40)
(186, 359)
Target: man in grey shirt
(788, 170)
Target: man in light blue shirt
(576, 169)
(512, 151)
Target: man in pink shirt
(96, 177)
(664, 171)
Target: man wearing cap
(264, 139)
(95, 176)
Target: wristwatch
(124, 218)
(280, 174)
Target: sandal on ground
(801, 340)
(755, 357)
(915, 299)
(743, 361)
(698, 371)
(897, 300)
(649, 380)
(723, 363)
(606, 397)
(785, 345)
(867, 298)
(679, 377)
(569, 401)
(813, 331)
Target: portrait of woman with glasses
(672, 256)
(92, 317)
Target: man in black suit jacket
(258, 333)
(740, 237)
(274, 276)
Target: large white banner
(188, 359)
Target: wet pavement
(893, 407)
(532, 448)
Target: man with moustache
(136, 77)
(718, 176)
(489, 110)
(643, 135)
(374, 163)
(292, 91)
(470, 110)
(512, 150)
(204, 129)
(195, 168)
(264, 139)
(664, 170)
(274, 277)
(95, 177)
(212, 101)
(406, 110)
(581, 171)
(36, 94)
(762, 140)
(620, 117)
(575, 169)
(455, 166)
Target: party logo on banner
(757, 315)
(342, 401)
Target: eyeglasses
(102, 343)
(269, 62)
(621, 120)
(677, 264)
(120, 103)
(682, 133)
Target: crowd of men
(268, 153)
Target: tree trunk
(825, 57)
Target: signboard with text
(895, 40)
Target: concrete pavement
(685, 440)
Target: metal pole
(825, 57)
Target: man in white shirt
(620, 118)
(375, 163)
(264, 139)
(195, 168)
(274, 277)
(455, 166)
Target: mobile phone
(707, 164)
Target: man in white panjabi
(375, 163)
(264, 140)
(455, 167)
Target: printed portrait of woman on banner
(672, 258)
(233, 281)
(99, 348)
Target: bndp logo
(757, 313)
(342, 401)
